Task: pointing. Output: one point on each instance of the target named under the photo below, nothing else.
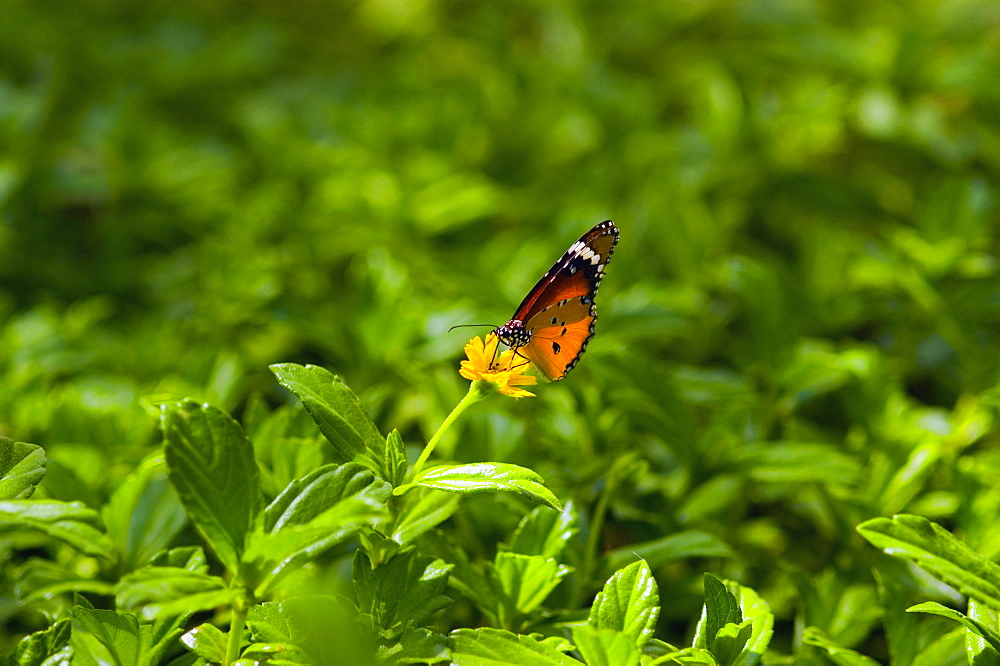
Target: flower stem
(475, 394)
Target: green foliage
(780, 446)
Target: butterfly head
(513, 334)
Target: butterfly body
(555, 321)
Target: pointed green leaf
(395, 459)
(22, 466)
(484, 477)
(211, 465)
(720, 609)
(935, 550)
(424, 509)
(69, 522)
(208, 642)
(837, 654)
(605, 647)
(629, 603)
(495, 647)
(143, 514)
(338, 412)
(403, 592)
(50, 645)
(976, 627)
(527, 580)
(165, 591)
(267, 624)
(106, 635)
(544, 532)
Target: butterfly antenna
(468, 325)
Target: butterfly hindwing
(559, 335)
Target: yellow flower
(504, 371)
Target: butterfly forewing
(558, 314)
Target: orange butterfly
(555, 321)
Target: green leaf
(495, 647)
(415, 646)
(403, 592)
(208, 642)
(605, 647)
(668, 549)
(338, 412)
(161, 636)
(424, 509)
(544, 532)
(980, 650)
(731, 640)
(211, 465)
(837, 654)
(106, 635)
(48, 645)
(306, 498)
(484, 477)
(629, 603)
(22, 466)
(39, 579)
(158, 592)
(525, 581)
(143, 514)
(395, 459)
(267, 624)
(795, 462)
(720, 609)
(932, 548)
(756, 610)
(975, 626)
(312, 515)
(69, 522)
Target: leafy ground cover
(233, 239)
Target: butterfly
(555, 321)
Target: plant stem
(475, 394)
(241, 606)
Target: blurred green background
(806, 290)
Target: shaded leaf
(403, 592)
(166, 591)
(525, 581)
(837, 654)
(106, 635)
(143, 514)
(668, 549)
(48, 645)
(544, 531)
(424, 509)
(69, 522)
